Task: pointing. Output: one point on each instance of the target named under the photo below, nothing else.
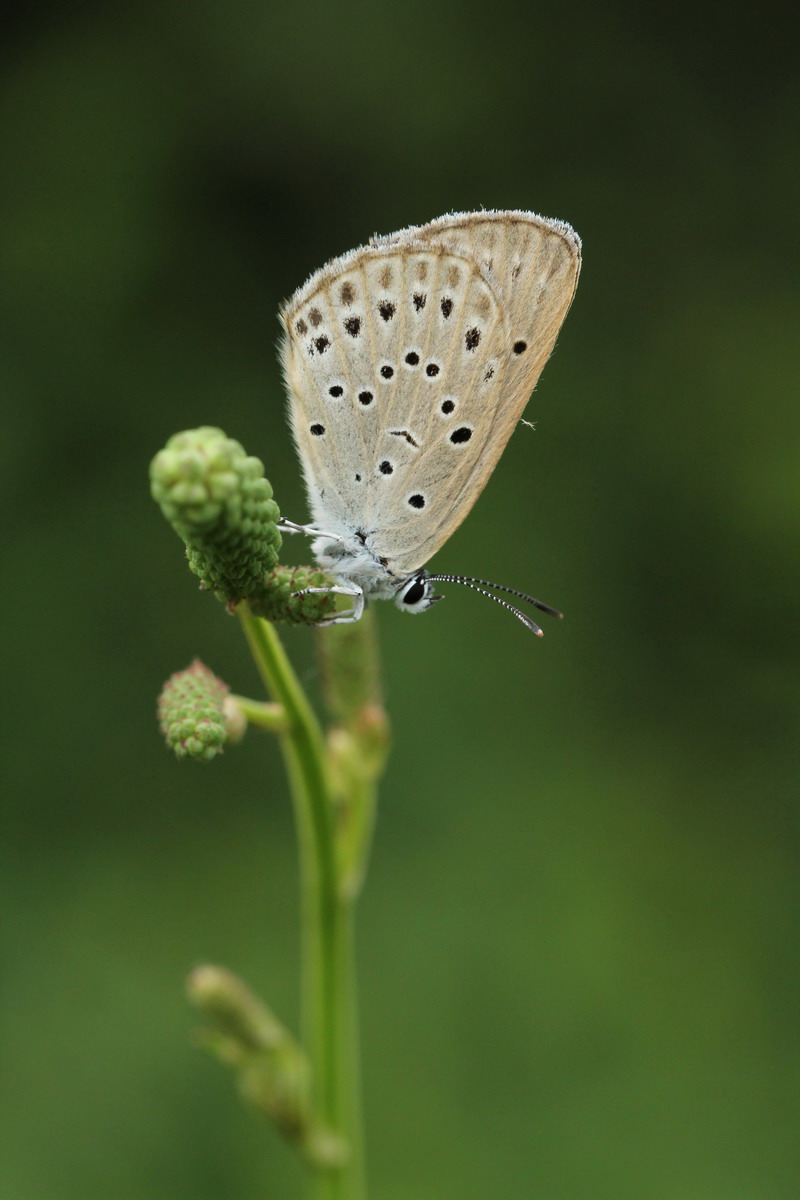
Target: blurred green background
(579, 940)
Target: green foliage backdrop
(578, 943)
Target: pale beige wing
(384, 350)
(533, 264)
(407, 376)
(511, 245)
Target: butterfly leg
(350, 615)
(309, 530)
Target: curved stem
(266, 716)
(328, 989)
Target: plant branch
(327, 987)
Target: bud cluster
(217, 500)
(192, 712)
(276, 600)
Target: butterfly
(408, 363)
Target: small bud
(239, 1013)
(276, 602)
(371, 730)
(191, 712)
(357, 753)
(271, 1068)
(217, 500)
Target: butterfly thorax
(351, 560)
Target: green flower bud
(238, 1012)
(217, 500)
(192, 712)
(274, 600)
(271, 1068)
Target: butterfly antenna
(473, 583)
(499, 587)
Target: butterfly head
(416, 594)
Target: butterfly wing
(406, 377)
(515, 249)
(533, 264)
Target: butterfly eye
(416, 594)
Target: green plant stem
(328, 988)
(266, 716)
